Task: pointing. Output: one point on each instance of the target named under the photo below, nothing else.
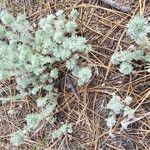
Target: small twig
(73, 88)
(117, 5)
(137, 119)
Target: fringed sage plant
(30, 55)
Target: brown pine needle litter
(103, 23)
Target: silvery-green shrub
(32, 55)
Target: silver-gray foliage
(138, 29)
(29, 55)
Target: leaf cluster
(118, 107)
(30, 55)
(124, 59)
(138, 29)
